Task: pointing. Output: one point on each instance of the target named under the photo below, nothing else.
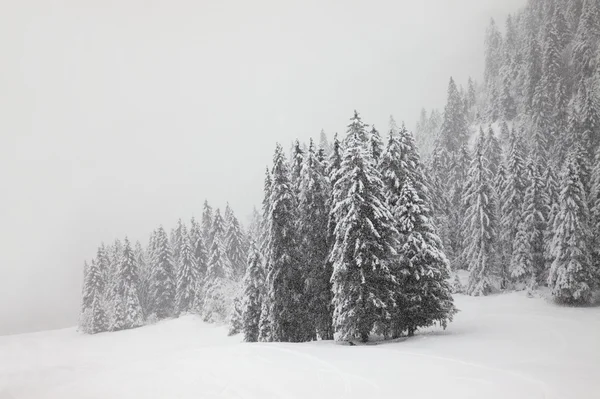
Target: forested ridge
(358, 235)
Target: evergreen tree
(454, 132)
(513, 194)
(492, 151)
(188, 275)
(552, 192)
(163, 286)
(252, 300)
(214, 307)
(143, 266)
(507, 102)
(365, 243)
(588, 115)
(324, 143)
(481, 227)
(471, 93)
(176, 240)
(521, 263)
(235, 320)
(265, 334)
(493, 53)
(375, 143)
(313, 213)
(128, 311)
(571, 275)
(254, 228)
(93, 315)
(207, 224)
(425, 295)
(227, 217)
(536, 210)
(503, 255)
(284, 279)
(235, 247)
(528, 261)
(457, 182)
(296, 164)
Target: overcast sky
(119, 115)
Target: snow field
(504, 346)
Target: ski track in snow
(503, 346)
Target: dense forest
(360, 235)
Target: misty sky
(119, 115)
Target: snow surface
(505, 346)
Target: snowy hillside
(506, 346)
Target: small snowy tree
(201, 258)
(375, 143)
(188, 275)
(207, 224)
(235, 247)
(93, 315)
(163, 286)
(235, 320)
(265, 332)
(252, 299)
(214, 304)
(128, 312)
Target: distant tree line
(519, 206)
(197, 268)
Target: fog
(118, 116)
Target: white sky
(116, 116)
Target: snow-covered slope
(506, 346)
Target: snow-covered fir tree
(254, 281)
(296, 161)
(313, 214)
(324, 143)
(481, 227)
(263, 246)
(235, 247)
(207, 224)
(365, 243)
(376, 143)
(176, 240)
(188, 275)
(163, 287)
(94, 318)
(235, 319)
(254, 227)
(454, 132)
(492, 151)
(143, 267)
(424, 297)
(128, 310)
(214, 308)
(201, 259)
(285, 282)
(571, 275)
(513, 195)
